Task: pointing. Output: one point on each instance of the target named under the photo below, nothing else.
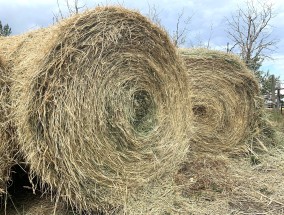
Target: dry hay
(100, 101)
(204, 183)
(6, 138)
(159, 198)
(234, 185)
(225, 100)
(204, 172)
(260, 185)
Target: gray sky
(208, 19)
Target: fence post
(273, 91)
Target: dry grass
(204, 172)
(7, 150)
(260, 189)
(236, 185)
(276, 119)
(99, 102)
(226, 102)
(2, 133)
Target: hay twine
(100, 101)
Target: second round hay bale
(100, 101)
(225, 100)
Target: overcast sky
(207, 22)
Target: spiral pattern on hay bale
(225, 100)
(100, 101)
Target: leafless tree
(199, 41)
(73, 7)
(181, 29)
(179, 35)
(250, 31)
(154, 14)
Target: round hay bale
(225, 100)
(6, 132)
(100, 101)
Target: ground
(240, 186)
(210, 184)
(245, 184)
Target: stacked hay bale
(7, 149)
(99, 103)
(225, 100)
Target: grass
(277, 119)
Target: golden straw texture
(100, 101)
(6, 132)
(225, 100)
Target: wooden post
(273, 91)
(228, 50)
(278, 98)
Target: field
(207, 184)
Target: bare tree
(154, 14)
(200, 42)
(181, 31)
(73, 7)
(182, 28)
(250, 31)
